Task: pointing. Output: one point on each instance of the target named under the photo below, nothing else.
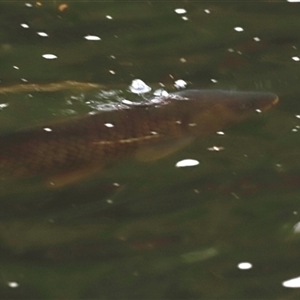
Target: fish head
(247, 103)
(208, 111)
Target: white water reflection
(42, 34)
(180, 11)
(49, 56)
(292, 283)
(244, 266)
(12, 284)
(24, 25)
(92, 37)
(187, 163)
(239, 29)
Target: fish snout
(265, 101)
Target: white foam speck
(187, 163)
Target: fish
(71, 150)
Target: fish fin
(161, 150)
(70, 177)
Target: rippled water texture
(222, 225)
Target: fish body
(93, 141)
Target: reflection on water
(152, 230)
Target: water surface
(154, 231)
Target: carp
(75, 148)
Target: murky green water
(153, 231)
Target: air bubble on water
(127, 102)
(160, 93)
(139, 87)
(180, 84)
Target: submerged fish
(73, 149)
